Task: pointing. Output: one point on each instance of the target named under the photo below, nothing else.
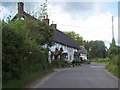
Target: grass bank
(31, 75)
(114, 65)
(27, 79)
(113, 69)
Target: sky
(92, 20)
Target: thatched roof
(64, 39)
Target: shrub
(21, 54)
(76, 62)
(100, 60)
(12, 55)
(114, 65)
(60, 63)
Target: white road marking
(97, 66)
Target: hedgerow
(22, 51)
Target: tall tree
(86, 45)
(113, 42)
(76, 37)
(113, 49)
(96, 49)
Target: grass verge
(114, 65)
(27, 79)
(114, 70)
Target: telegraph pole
(112, 28)
(113, 39)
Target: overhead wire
(85, 26)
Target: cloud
(3, 12)
(86, 9)
(9, 4)
(11, 8)
(86, 19)
(75, 8)
(78, 6)
(94, 27)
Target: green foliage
(86, 45)
(85, 62)
(60, 63)
(96, 49)
(76, 37)
(76, 62)
(113, 50)
(26, 80)
(40, 32)
(113, 42)
(11, 47)
(114, 65)
(36, 31)
(101, 60)
(21, 54)
(114, 55)
(19, 26)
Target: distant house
(70, 49)
(83, 53)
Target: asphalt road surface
(87, 76)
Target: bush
(21, 55)
(100, 60)
(60, 63)
(12, 55)
(76, 62)
(114, 65)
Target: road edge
(115, 77)
(42, 80)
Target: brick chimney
(46, 20)
(20, 7)
(54, 26)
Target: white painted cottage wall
(66, 49)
